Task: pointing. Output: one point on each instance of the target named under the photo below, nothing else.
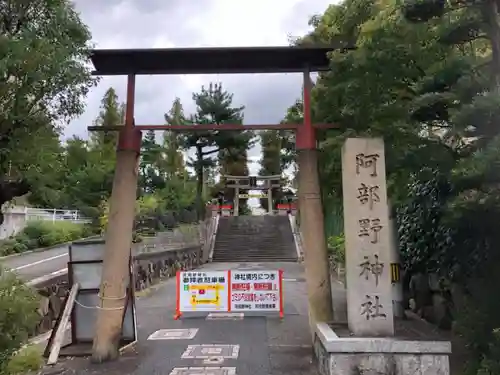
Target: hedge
(18, 318)
(39, 234)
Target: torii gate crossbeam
(132, 62)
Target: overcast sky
(197, 23)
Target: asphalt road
(33, 265)
(267, 345)
(38, 264)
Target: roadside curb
(42, 249)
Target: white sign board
(256, 290)
(202, 291)
(227, 291)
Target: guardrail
(156, 258)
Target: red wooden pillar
(115, 272)
(312, 219)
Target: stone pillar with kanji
(367, 238)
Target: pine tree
(172, 143)
(270, 163)
(215, 106)
(111, 114)
(150, 179)
(463, 90)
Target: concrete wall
(14, 221)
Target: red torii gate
(132, 62)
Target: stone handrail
(154, 259)
(297, 235)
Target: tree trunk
(315, 250)
(115, 271)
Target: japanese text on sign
(255, 291)
(368, 238)
(372, 268)
(226, 291)
(203, 291)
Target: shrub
(336, 249)
(18, 316)
(43, 234)
(28, 359)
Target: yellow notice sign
(203, 291)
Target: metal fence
(54, 215)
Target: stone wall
(149, 268)
(431, 298)
(371, 355)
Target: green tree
(391, 60)
(112, 113)
(44, 47)
(271, 161)
(172, 141)
(464, 90)
(215, 106)
(88, 166)
(150, 179)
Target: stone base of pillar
(368, 355)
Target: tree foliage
(43, 79)
(214, 105)
(424, 76)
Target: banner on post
(226, 291)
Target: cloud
(181, 23)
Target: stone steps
(253, 239)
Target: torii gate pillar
(312, 219)
(118, 237)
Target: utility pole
(115, 272)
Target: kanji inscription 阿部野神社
(375, 268)
(372, 308)
(368, 194)
(367, 162)
(367, 237)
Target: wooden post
(63, 323)
(115, 274)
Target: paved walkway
(255, 345)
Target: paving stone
(225, 316)
(174, 334)
(204, 371)
(210, 351)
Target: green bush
(18, 316)
(28, 359)
(449, 225)
(336, 248)
(43, 234)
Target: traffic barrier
(252, 291)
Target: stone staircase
(254, 239)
